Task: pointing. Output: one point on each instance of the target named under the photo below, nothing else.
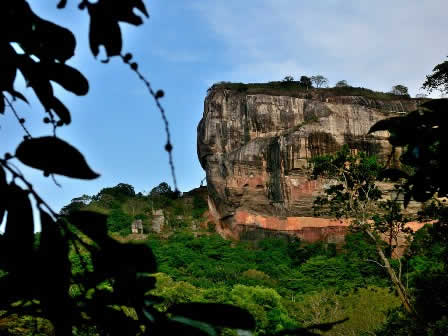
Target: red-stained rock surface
(255, 149)
(310, 229)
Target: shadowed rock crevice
(274, 167)
(320, 143)
(362, 143)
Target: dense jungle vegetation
(283, 282)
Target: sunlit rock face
(255, 149)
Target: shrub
(265, 305)
(174, 291)
(365, 309)
(121, 192)
(120, 222)
(199, 206)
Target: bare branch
(376, 262)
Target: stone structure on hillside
(137, 226)
(158, 221)
(255, 149)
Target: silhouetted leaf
(54, 156)
(54, 273)
(327, 326)
(144, 284)
(104, 23)
(95, 35)
(3, 193)
(69, 78)
(392, 174)
(139, 4)
(114, 321)
(93, 224)
(19, 231)
(179, 325)
(113, 42)
(124, 11)
(151, 300)
(61, 111)
(422, 191)
(17, 94)
(307, 331)
(46, 40)
(386, 124)
(128, 258)
(62, 4)
(104, 30)
(8, 67)
(36, 78)
(213, 313)
(436, 104)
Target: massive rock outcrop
(255, 150)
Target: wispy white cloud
(374, 44)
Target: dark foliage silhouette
(306, 82)
(425, 153)
(38, 277)
(422, 136)
(438, 80)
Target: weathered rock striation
(255, 149)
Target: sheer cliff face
(255, 151)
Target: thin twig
(168, 145)
(55, 181)
(11, 106)
(376, 262)
(16, 115)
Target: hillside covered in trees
(283, 282)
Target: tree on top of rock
(319, 81)
(342, 83)
(305, 82)
(400, 90)
(162, 189)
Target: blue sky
(187, 45)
